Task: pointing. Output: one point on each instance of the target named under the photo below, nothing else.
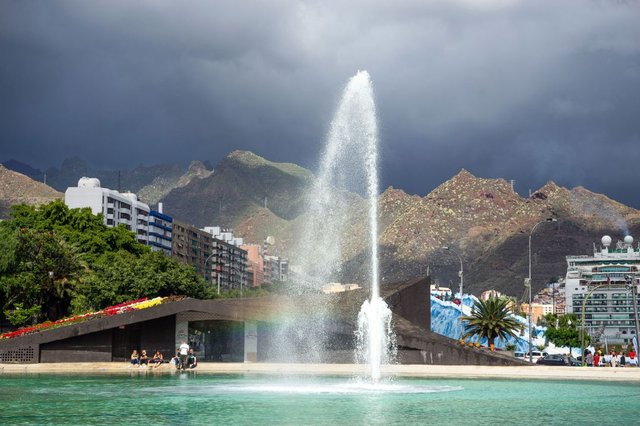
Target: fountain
(349, 164)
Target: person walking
(184, 353)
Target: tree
(42, 274)
(120, 276)
(491, 319)
(566, 332)
(55, 261)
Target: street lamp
(527, 283)
(582, 328)
(205, 265)
(460, 273)
(205, 270)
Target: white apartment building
(116, 208)
(225, 235)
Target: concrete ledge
(422, 371)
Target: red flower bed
(109, 311)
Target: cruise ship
(603, 284)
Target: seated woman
(157, 359)
(134, 358)
(144, 359)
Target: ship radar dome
(628, 239)
(606, 241)
(86, 182)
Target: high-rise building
(218, 261)
(116, 208)
(160, 231)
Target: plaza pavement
(422, 371)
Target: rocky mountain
(151, 183)
(25, 169)
(489, 224)
(16, 188)
(163, 184)
(483, 220)
(243, 187)
(133, 180)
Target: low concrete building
(249, 330)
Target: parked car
(535, 355)
(558, 359)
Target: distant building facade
(160, 231)
(264, 269)
(538, 310)
(276, 269)
(219, 262)
(255, 264)
(116, 208)
(490, 294)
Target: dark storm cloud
(532, 91)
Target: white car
(535, 355)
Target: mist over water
(348, 166)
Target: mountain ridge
(483, 219)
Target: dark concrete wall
(29, 354)
(91, 347)
(114, 344)
(417, 346)
(441, 355)
(159, 335)
(413, 303)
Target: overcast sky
(526, 90)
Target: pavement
(422, 371)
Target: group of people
(138, 360)
(185, 358)
(611, 359)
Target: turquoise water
(191, 398)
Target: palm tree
(491, 318)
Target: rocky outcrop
(16, 188)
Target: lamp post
(461, 275)
(205, 270)
(582, 326)
(528, 283)
(205, 266)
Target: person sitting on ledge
(192, 361)
(176, 360)
(157, 359)
(134, 358)
(144, 359)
